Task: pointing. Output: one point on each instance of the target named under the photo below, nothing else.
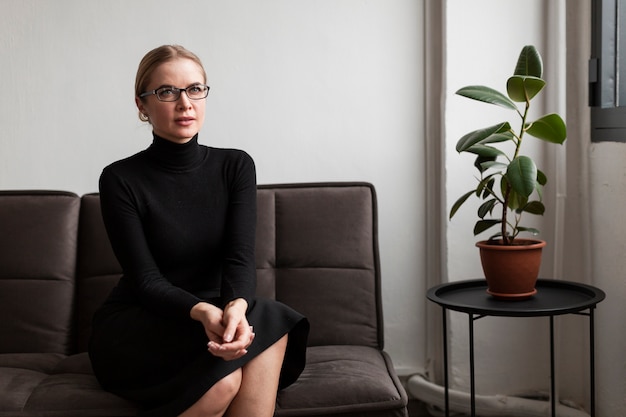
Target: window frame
(607, 71)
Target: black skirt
(163, 364)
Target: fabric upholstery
(319, 245)
(55, 385)
(97, 269)
(343, 381)
(316, 251)
(37, 261)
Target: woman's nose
(183, 101)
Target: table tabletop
(554, 297)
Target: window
(607, 71)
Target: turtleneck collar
(175, 156)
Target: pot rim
(524, 244)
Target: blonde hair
(153, 59)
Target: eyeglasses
(194, 92)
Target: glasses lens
(198, 91)
(195, 92)
(168, 94)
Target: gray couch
(316, 251)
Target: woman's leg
(259, 383)
(217, 399)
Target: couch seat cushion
(337, 381)
(51, 385)
(344, 381)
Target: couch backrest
(38, 232)
(97, 269)
(317, 251)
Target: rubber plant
(509, 183)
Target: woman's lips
(185, 121)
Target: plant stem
(506, 239)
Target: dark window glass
(607, 71)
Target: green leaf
(484, 166)
(472, 138)
(498, 137)
(486, 207)
(487, 95)
(504, 184)
(485, 184)
(550, 128)
(529, 62)
(528, 229)
(488, 188)
(541, 177)
(522, 175)
(485, 151)
(516, 201)
(459, 203)
(539, 189)
(524, 88)
(483, 225)
(534, 207)
(480, 162)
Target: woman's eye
(166, 92)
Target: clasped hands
(228, 330)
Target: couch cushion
(97, 269)
(38, 256)
(344, 381)
(20, 374)
(37, 384)
(319, 242)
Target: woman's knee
(229, 386)
(217, 399)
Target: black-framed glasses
(168, 93)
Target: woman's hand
(228, 331)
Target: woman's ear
(143, 113)
(140, 106)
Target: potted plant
(508, 182)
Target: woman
(182, 333)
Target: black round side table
(553, 298)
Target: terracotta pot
(511, 271)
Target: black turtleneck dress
(181, 219)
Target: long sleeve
(239, 278)
(181, 220)
(122, 217)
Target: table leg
(472, 374)
(552, 370)
(445, 363)
(592, 358)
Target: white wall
(607, 162)
(313, 90)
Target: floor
(417, 409)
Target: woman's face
(177, 121)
